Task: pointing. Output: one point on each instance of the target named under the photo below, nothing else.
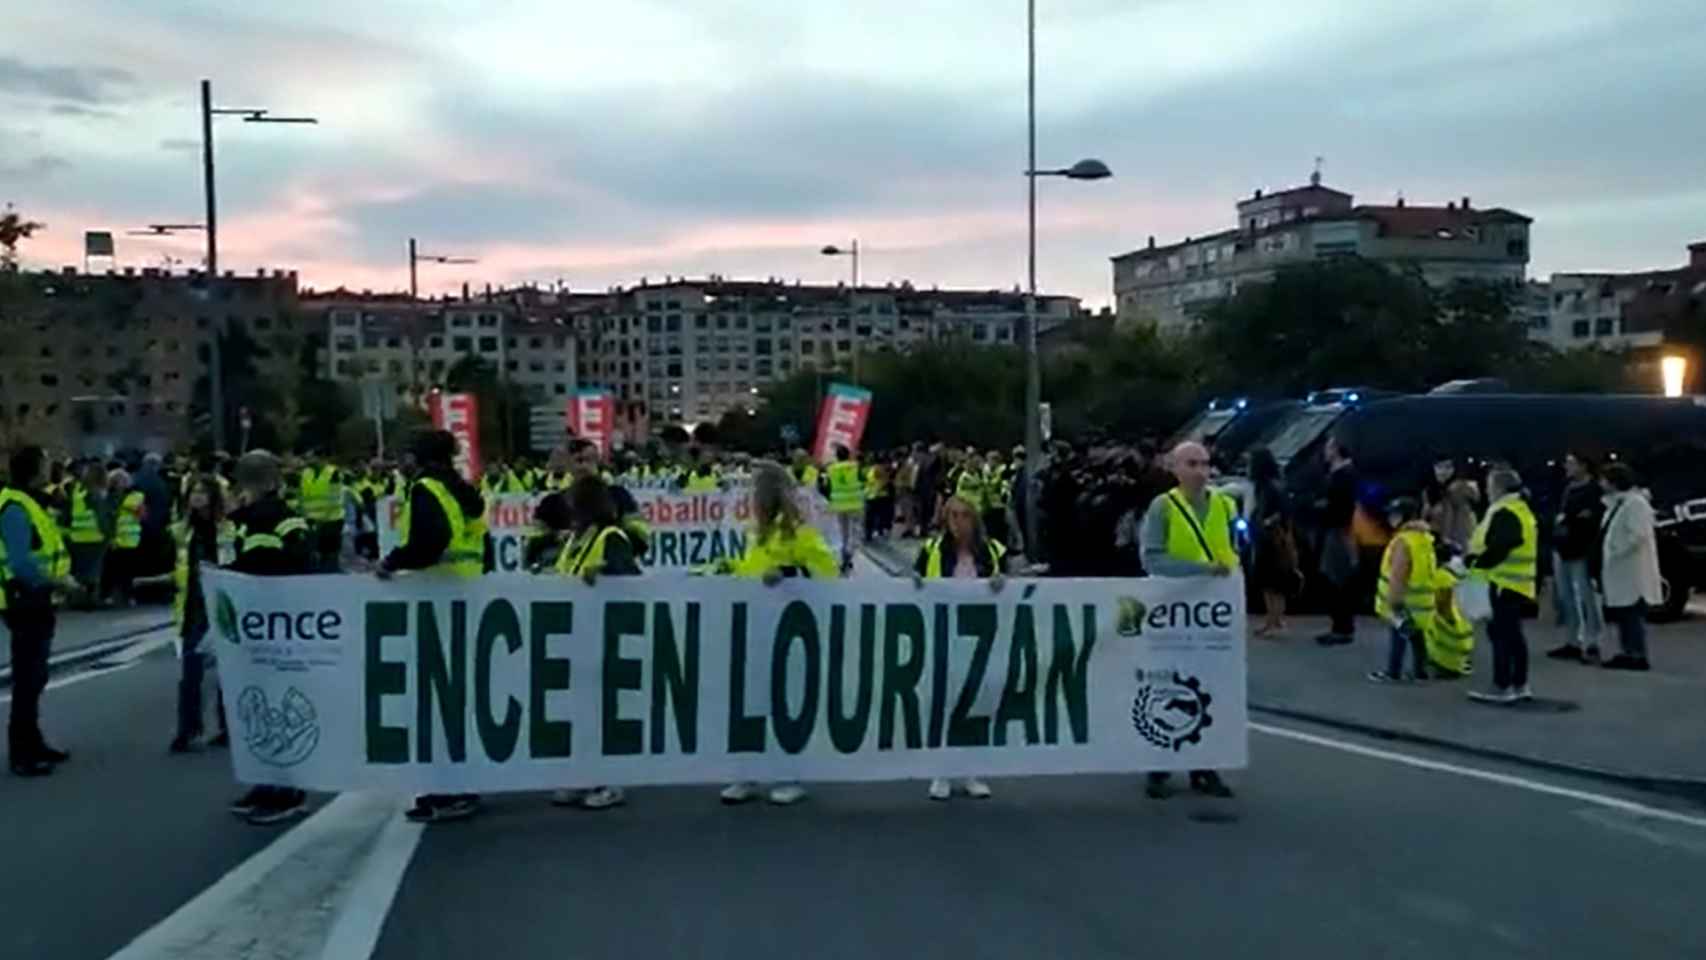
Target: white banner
(429, 684)
(688, 529)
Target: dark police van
(1395, 442)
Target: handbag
(1475, 599)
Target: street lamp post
(1082, 170)
(216, 376)
(852, 251)
(415, 259)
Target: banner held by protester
(521, 683)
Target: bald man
(1187, 532)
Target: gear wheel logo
(1170, 709)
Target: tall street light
(416, 257)
(1082, 170)
(216, 379)
(851, 250)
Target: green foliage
(503, 406)
(14, 228)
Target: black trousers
(31, 623)
(192, 677)
(1342, 602)
(1504, 632)
(328, 545)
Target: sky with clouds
(598, 142)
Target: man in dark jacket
(1575, 535)
(271, 541)
(1339, 558)
(444, 531)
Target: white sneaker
(738, 793)
(603, 798)
(940, 789)
(1495, 695)
(977, 789)
(1523, 692)
(787, 794)
(566, 798)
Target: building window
(436, 343)
(1602, 327)
(394, 343)
(50, 379)
(462, 344)
(559, 389)
(535, 343)
(488, 319)
(488, 344)
(460, 320)
(1579, 329)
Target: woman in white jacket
(1629, 565)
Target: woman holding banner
(781, 544)
(961, 552)
(597, 545)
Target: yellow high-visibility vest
(466, 555)
(1518, 570)
(85, 526)
(1419, 591)
(1201, 540)
(50, 556)
(585, 553)
(803, 553)
(127, 531)
(322, 494)
(846, 493)
(933, 557)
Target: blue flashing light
(1352, 397)
(1243, 403)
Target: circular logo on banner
(1170, 710)
(281, 736)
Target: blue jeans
(1579, 602)
(1413, 638)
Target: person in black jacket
(1575, 536)
(1339, 559)
(431, 543)
(271, 541)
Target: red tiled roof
(1410, 221)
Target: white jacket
(1629, 550)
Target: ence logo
(1129, 622)
(1170, 710)
(225, 617)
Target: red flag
(841, 420)
(459, 413)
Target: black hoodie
(429, 530)
(268, 516)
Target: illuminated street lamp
(1674, 370)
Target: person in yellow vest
(125, 556)
(34, 565)
(1504, 552)
(701, 477)
(321, 498)
(269, 539)
(846, 501)
(970, 481)
(962, 551)
(584, 461)
(805, 471)
(201, 537)
(1187, 532)
(442, 530)
(780, 544)
(88, 529)
(1405, 595)
(495, 482)
(597, 546)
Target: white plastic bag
(1474, 599)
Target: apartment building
(93, 363)
(1616, 311)
(1170, 286)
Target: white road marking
(141, 648)
(327, 882)
(86, 675)
(1504, 779)
(356, 931)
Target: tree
(14, 228)
(501, 404)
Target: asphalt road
(1325, 853)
